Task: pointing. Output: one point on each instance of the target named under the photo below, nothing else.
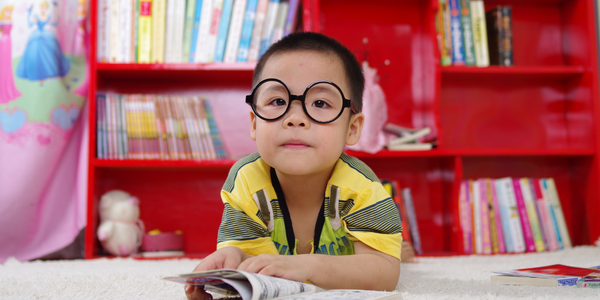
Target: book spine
(124, 126)
(397, 197)
(532, 214)
(129, 127)
(194, 120)
(100, 98)
(135, 12)
(467, 32)
(497, 215)
(169, 31)
(102, 31)
(279, 26)
(486, 238)
(214, 131)
(292, 17)
(203, 31)
(159, 14)
(121, 138)
(444, 36)
(178, 31)
(515, 219)
(113, 29)
(213, 32)
(558, 212)
(188, 29)
(476, 195)
(145, 31)
(113, 150)
(223, 31)
(205, 138)
(506, 37)
(125, 25)
(464, 209)
(154, 129)
(139, 113)
(480, 39)
(494, 34)
(188, 137)
(412, 219)
(545, 221)
(458, 50)
(246, 35)
(259, 24)
(505, 216)
(265, 39)
(582, 283)
(235, 31)
(526, 226)
(195, 29)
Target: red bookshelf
(536, 119)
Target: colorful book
(477, 216)
(214, 30)
(480, 38)
(528, 199)
(516, 226)
(100, 126)
(543, 212)
(235, 31)
(201, 55)
(495, 218)
(134, 31)
(486, 234)
(533, 281)
(291, 18)
(206, 139)
(467, 32)
(397, 197)
(444, 37)
(280, 18)
(102, 31)
(259, 22)
(159, 15)
(114, 41)
(170, 31)
(214, 131)
(267, 31)
(412, 219)
(494, 35)
(188, 28)
(125, 26)
(223, 31)
(550, 185)
(526, 226)
(145, 31)
(195, 29)
(458, 48)
(246, 34)
(464, 209)
(591, 280)
(178, 31)
(506, 56)
(505, 216)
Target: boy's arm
(366, 269)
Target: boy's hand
(292, 267)
(224, 258)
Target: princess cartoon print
(8, 90)
(43, 57)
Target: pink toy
(120, 230)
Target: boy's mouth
(295, 144)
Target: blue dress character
(43, 57)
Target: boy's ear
(355, 128)
(252, 126)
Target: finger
(196, 293)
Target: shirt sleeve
(374, 220)
(241, 227)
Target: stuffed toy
(120, 231)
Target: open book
(250, 286)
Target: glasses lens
(323, 102)
(271, 99)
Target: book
(505, 216)
(259, 21)
(410, 147)
(246, 34)
(544, 216)
(217, 144)
(103, 32)
(464, 210)
(215, 21)
(178, 28)
(169, 31)
(458, 49)
(445, 37)
(406, 136)
(591, 280)
(145, 31)
(525, 225)
(397, 198)
(486, 237)
(292, 17)
(251, 286)
(480, 39)
(195, 29)
(516, 226)
(125, 26)
(495, 222)
(533, 281)
(280, 19)
(269, 25)
(201, 55)
(506, 56)
(467, 32)
(134, 30)
(532, 216)
(550, 186)
(235, 31)
(100, 126)
(412, 219)
(159, 15)
(550, 271)
(223, 31)
(188, 28)
(499, 33)
(114, 21)
(475, 195)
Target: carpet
(455, 277)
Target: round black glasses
(322, 101)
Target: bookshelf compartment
(172, 199)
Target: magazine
(250, 286)
(551, 275)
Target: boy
(300, 208)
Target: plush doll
(120, 230)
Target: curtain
(43, 125)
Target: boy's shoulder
(352, 173)
(251, 166)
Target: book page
(345, 295)
(267, 287)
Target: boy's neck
(304, 191)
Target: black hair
(312, 41)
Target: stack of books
(156, 127)
(408, 139)
(552, 275)
(191, 31)
(470, 36)
(511, 215)
(406, 209)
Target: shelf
(177, 67)
(475, 152)
(216, 73)
(557, 72)
(140, 163)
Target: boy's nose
(296, 116)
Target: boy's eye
(278, 102)
(320, 104)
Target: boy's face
(294, 144)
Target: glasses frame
(301, 98)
